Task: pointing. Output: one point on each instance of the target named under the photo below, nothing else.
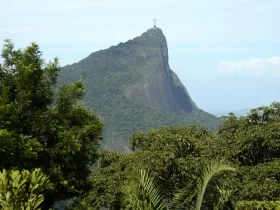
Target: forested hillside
(131, 87)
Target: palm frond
(211, 171)
(142, 192)
(224, 202)
(183, 198)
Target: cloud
(253, 67)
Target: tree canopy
(179, 156)
(41, 128)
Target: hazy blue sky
(226, 52)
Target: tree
(178, 156)
(172, 154)
(40, 128)
(199, 196)
(211, 172)
(143, 192)
(252, 142)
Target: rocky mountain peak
(131, 87)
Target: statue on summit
(155, 23)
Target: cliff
(158, 86)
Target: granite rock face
(159, 88)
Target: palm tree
(141, 192)
(210, 173)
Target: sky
(226, 52)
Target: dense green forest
(50, 154)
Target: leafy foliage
(252, 142)
(258, 205)
(22, 189)
(142, 192)
(224, 202)
(43, 129)
(196, 199)
(211, 171)
(172, 154)
(179, 156)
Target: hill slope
(131, 87)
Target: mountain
(131, 87)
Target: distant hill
(238, 113)
(131, 87)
